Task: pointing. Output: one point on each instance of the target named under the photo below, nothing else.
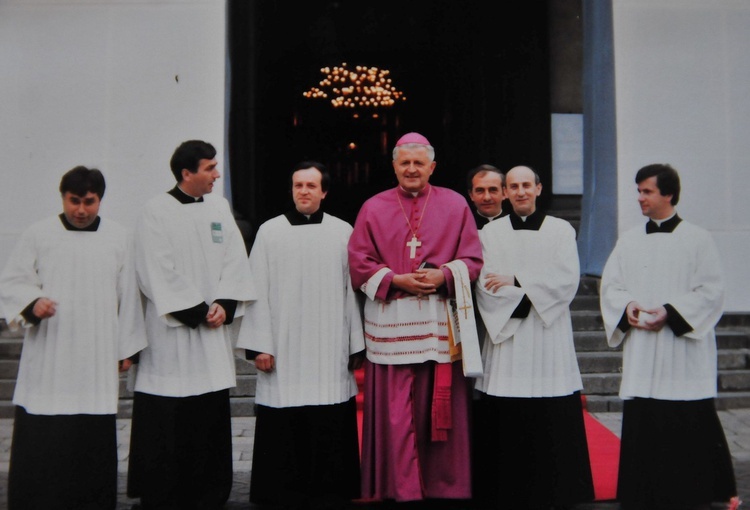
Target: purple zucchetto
(412, 138)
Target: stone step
(244, 367)
(733, 359)
(596, 340)
(728, 361)
(735, 320)
(613, 403)
(6, 332)
(10, 347)
(7, 409)
(588, 286)
(599, 362)
(603, 403)
(729, 381)
(731, 338)
(7, 386)
(8, 368)
(592, 341)
(582, 302)
(733, 400)
(586, 320)
(734, 380)
(601, 383)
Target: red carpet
(604, 448)
(360, 375)
(604, 454)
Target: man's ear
(185, 174)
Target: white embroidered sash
(462, 322)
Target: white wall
(113, 84)
(682, 71)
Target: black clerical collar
(483, 220)
(533, 221)
(666, 227)
(183, 197)
(69, 226)
(297, 218)
(480, 220)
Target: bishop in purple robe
(416, 442)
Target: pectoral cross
(413, 244)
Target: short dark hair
(667, 179)
(80, 180)
(188, 156)
(325, 177)
(482, 169)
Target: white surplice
(534, 356)
(69, 361)
(683, 269)
(306, 314)
(187, 254)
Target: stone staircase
(599, 364)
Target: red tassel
(442, 415)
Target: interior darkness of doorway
(476, 84)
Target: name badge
(216, 234)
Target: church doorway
(476, 84)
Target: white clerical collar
(412, 193)
(659, 222)
(188, 194)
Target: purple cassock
(395, 233)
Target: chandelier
(359, 87)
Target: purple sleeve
(364, 258)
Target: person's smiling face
(522, 190)
(307, 190)
(487, 193)
(413, 168)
